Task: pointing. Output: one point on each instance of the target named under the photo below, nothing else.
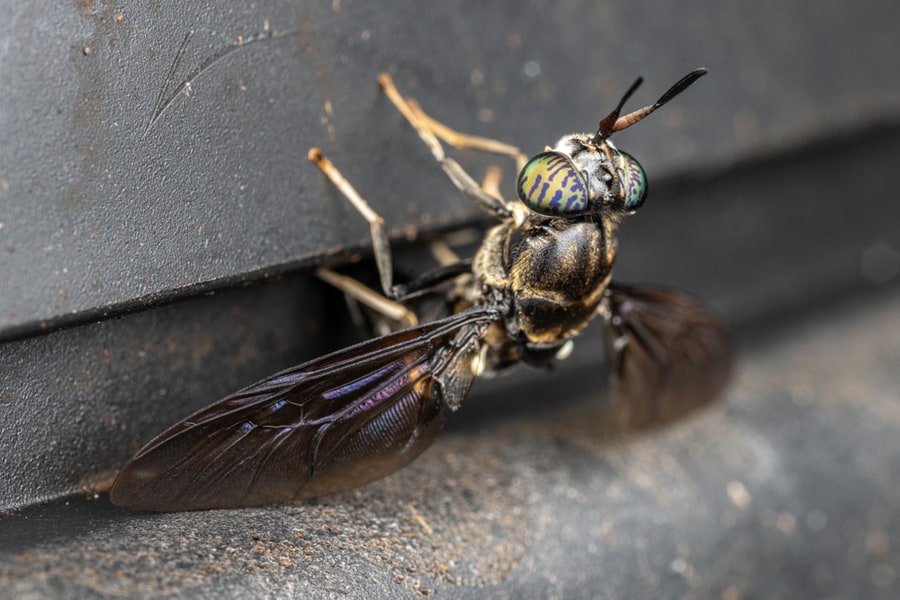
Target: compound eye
(634, 185)
(551, 185)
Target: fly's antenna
(613, 122)
(608, 124)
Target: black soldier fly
(538, 279)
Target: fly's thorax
(552, 273)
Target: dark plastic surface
(130, 179)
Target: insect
(538, 279)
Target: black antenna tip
(683, 84)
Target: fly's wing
(328, 425)
(668, 354)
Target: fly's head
(581, 176)
(585, 174)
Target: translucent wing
(331, 424)
(668, 355)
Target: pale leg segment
(384, 304)
(430, 130)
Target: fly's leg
(391, 309)
(463, 141)
(441, 247)
(430, 130)
(380, 243)
(443, 253)
(491, 181)
(384, 304)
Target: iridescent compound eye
(551, 185)
(634, 184)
